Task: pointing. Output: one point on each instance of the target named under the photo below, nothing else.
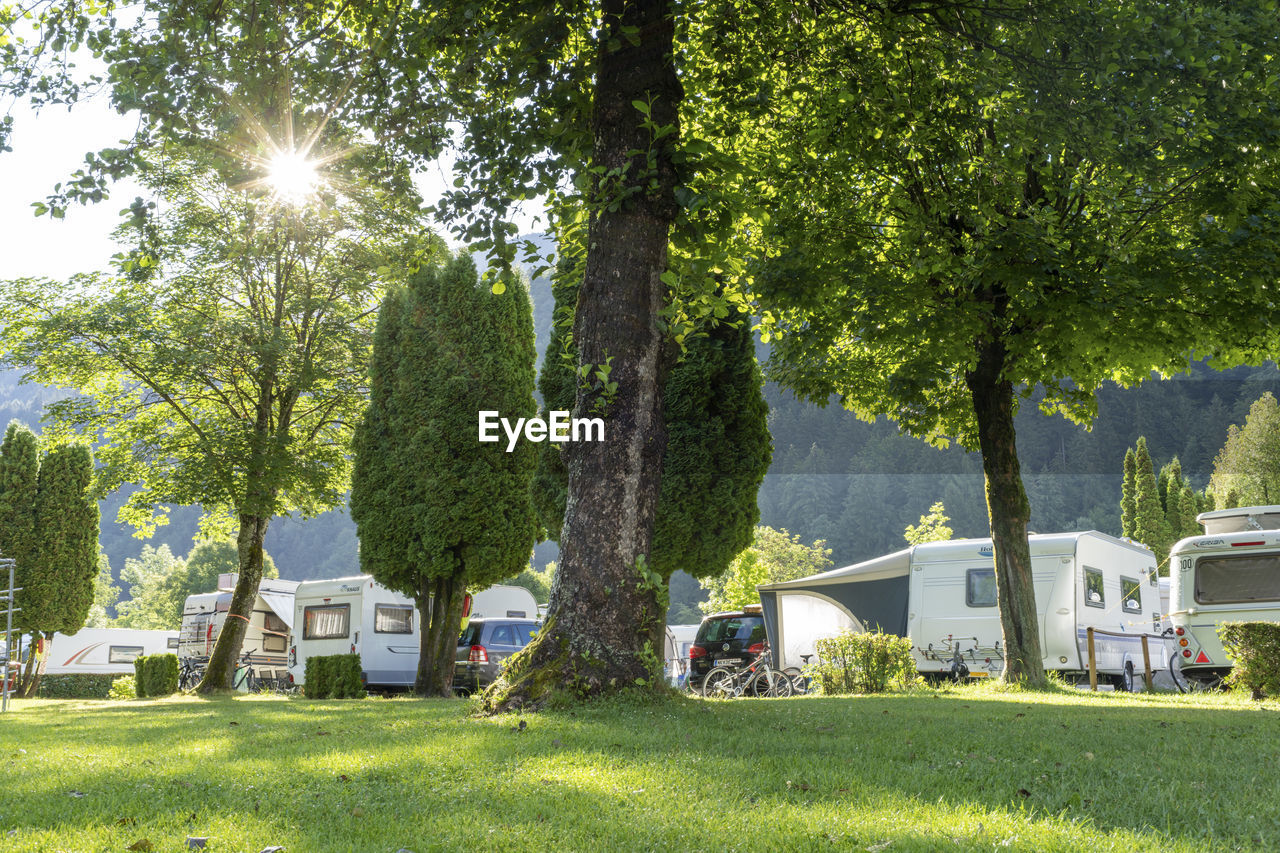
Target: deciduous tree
(990, 185)
(1249, 463)
(225, 362)
(932, 527)
(774, 556)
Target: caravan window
(980, 588)
(1094, 596)
(1238, 579)
(326, 622)
(124, 654)
(392, 619)
(1130, 595)
(171, 643)
(275, 634)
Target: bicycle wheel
(799, 682)
(769, 682)
(719, 684)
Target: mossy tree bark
(1010, 512)
(604, 622)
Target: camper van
(107, 651)
(357, 615)
(270, 624)
(942, 595)
(1230, 574)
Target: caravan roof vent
(1240, 519)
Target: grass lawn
(969, 768)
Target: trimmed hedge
(140, 676)
(333, 677)
(75, 685)
(866, 662)
(155, 675)
(1255, 648)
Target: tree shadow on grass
(966, 769)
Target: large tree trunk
(219, 673)
(440, 604)
(603, 627)
(1009, 513)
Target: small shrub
(75, 685)
(1255, 648)
(867, 662)
(123, 688)
(345, 675)
(140, 676)
(333, 677)
(162, 674)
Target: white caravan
(270, 625)
(108, 651)
(1230, 574)
(942, 595)
(357, 615)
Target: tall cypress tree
(67, 528)
(19, 486)
(718, 444)
(1171, 477)
(1150, 526)
(437, 511)
(1128, 496)
(1187, 514)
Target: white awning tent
(864, 596)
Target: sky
(47, 148)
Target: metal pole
(1093, 663)
(8, 637)
(1146, 663)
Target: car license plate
(729, 662)
(979, 674)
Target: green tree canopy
(932, 527)
(437, 510)
(990, 185)
(148, 578)
(225, 362)
(1249, 463)
(774, 556)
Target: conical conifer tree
(19, 485)
(1128, 496)
(1150, 526)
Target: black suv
(483, 647)
(732, 638)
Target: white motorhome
(108, 651)
(1230, 574)
(942, 595)
(267, 638)
(358, 615)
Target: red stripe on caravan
(80, 654)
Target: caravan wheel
(1123, 682)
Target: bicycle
(246, 675)
(757, 679)
(800, 683)
(189, 673)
